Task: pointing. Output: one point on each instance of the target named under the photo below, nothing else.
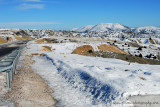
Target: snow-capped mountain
(102, 27)
(83, 29)
(147, 30)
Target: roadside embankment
(28, 88)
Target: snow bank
(92, 81)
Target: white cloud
(26, 6)
(14, 24)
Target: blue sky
(68, 14)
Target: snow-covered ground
(149, 47)
(82, 81)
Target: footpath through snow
(92, 81)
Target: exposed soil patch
(46, 40)
(29, 89)
(110, 48)
(46, 48)
(158, 57)
(128, 58)
(151, 41)
(26, 37)
(156, 41)
(139, 41)
(34, 54)
(10, 39)
(134, 44)
(73, 40)
(111, 51)
(142, 78)
(3, 41)
(22, 38)
(86, 50)
(17, 37)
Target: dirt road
(28, 88)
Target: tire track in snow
(100, 92)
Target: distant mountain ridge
(147, 30)
(104, 27)
(83, 29)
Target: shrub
(140, 48)
(90, 51)
(154, 57)
(140, 55)
(145, 47)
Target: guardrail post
(8, 79)
(12, 74)
(8, 65)
(14, 67)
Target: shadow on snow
(80, 79)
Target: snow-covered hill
(102, 27)
(147, 30)
(83, 29)
(116, 27)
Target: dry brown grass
(40, 41)
(26, 37)
(2, 40)
(142, 78)
(45, 40)
(34, 54)
(151, 41)
(84, 50)
(110, 48)
(22, 38)
(10, 39)
(139, 41)
(129, 58)
(17, 37)
(133, 44)
(156, 41)
(41, 54)
(46, 48)
(5, 41)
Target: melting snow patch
(146, 41)
(108, 68)
(134, 72)
(147, 73)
